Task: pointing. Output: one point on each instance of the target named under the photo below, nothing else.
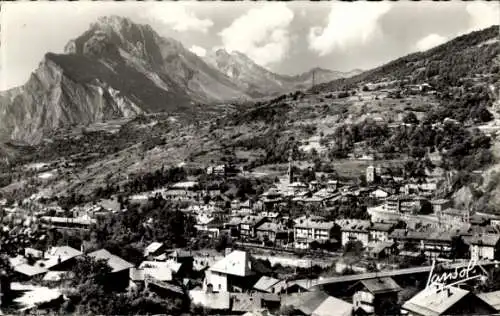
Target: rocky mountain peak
(110, 34)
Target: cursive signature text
(457, 276)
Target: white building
(227, 272)
(484, 246)
(379, 232)
(358, 230)
(440, 205)
(309, 230)
(379, 194)
(370, 174)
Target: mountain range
(258, 80)
(118, 68)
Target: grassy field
(355, 168)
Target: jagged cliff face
(115, 69)
(52, 100)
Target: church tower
(290, 167)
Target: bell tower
(290, 167)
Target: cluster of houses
(395, 217)
(232, 285)
(396, 225)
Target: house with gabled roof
(234, 271)
(249, 224)
(484, 246)
(356, 230)
(372, 296)
(246, 302)
(26, 271)
(433, 301)
(157, 270)
(308, 230)
(60, 258)
(379, 232)
(266, 284)
(492, 298)
(269, 231)
(317, 303)
(120, 268)
(154, 249)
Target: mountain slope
(163, 60)
(258, 80)
(446, 64)
(115, 69)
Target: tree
(410, 118)
(89, 269)
(245, 188)
(492, 283)
(314, 245)
(458, 248)
(92, 295)
(353, 248)
(5, 265)
(223, 242)
(353, 251)
(425, 207)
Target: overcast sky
(286, 38)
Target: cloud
(261, 33)
(349, 24)
(430, 41)
(200, 51)
(179, 17)
(483, 14)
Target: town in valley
(373, 192)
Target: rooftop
(265, 283)
(381, 285)
(269, 227)
(333, 306)
(68, 220)
(185, 185)
(439, 201)
(236, 263)
(318, 303)
(152, 247)
(384, 227)
(432, 302)
(483, 240)
(492, 298)
(63, 252)
(245, 302)
(306, 302)
(435, 235)
(29, 270)
(251, 219)
(454, 212)
(234, 221)
(357, 227)
(116, 263)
